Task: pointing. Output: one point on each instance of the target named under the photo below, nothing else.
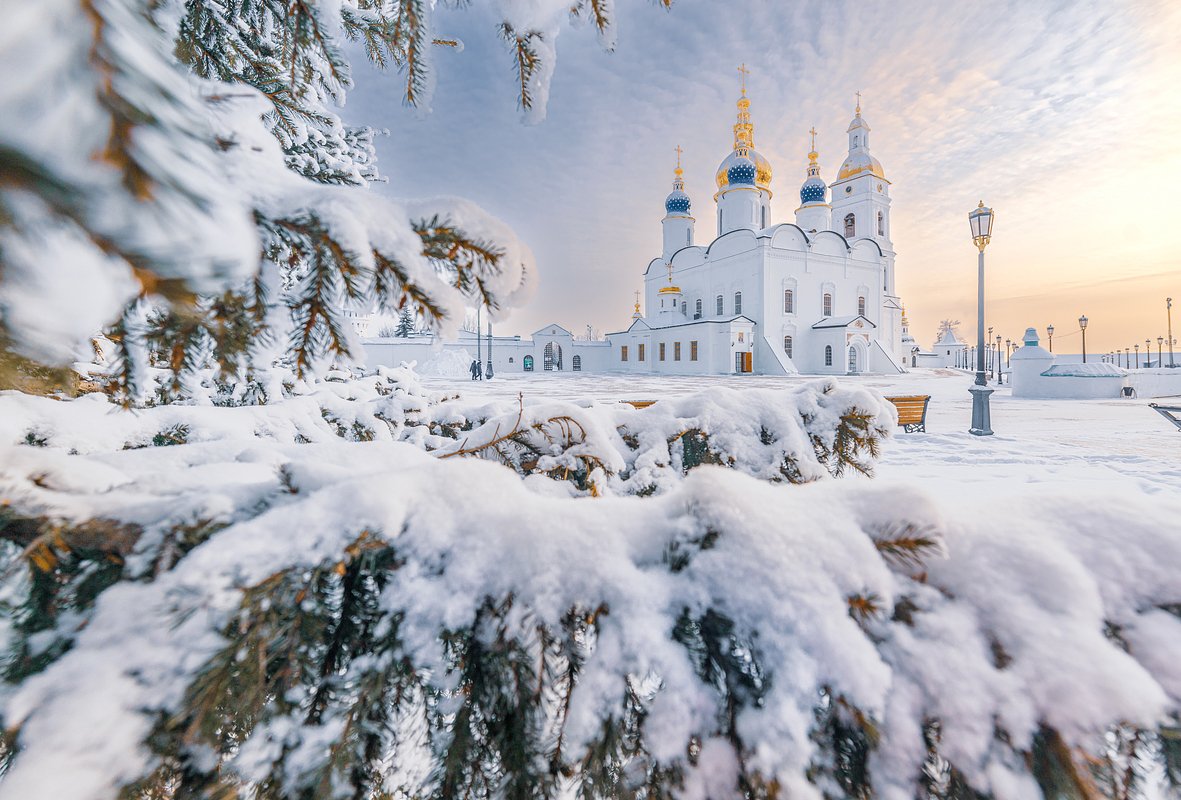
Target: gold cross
(679, 151)
(858, 102)
(813, 132)
(744, 72)
(637, 300)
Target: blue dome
(677, 203)
(813, 191)
(741, 172)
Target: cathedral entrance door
(744, 362)
(853, 361)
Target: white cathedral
(814, 296)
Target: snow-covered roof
(844, 322)
(1095, 370)
(550, 330)
(949, 339)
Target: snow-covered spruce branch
(326, 619)
(212, 122)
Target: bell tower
(678, 223)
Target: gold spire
(678, 173)
(671, 288)
(813, 155)
(859, 103)
(744, 131)
(637, 311)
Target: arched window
(853, 370)
(861, 306)
(787, 346)
(738, 302)
(826, 305)
(764, 217)
(850, 226)
(828, 355)
(527, 361)
(688, 237)
(684, 307)
(547, 357)
(881, 224)
(789, 301)
(697, 308)
(856, 140)
(576, 361)
(720, 311)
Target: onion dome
(859, 160)
(814, 191)
(744, 149)
(741, 172)
(677, 201)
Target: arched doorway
(547, 357)
(527, 361)
(854, 363)
(576, 363)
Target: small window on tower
(850, 226)
(697, 308)
(881, 224)
(720, 311)
(683, 307)
(826, 305)
(738, 302)
(789, 301)
(861, 306)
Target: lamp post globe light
(1160, 340)
(1136, 347)
(1000, 375)
(1050, 333)
(1147, 353)
(980, 219)
(1082, 324)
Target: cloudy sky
(1063, 116)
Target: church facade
(816, 295)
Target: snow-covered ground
(1064, 443)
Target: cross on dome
(744, 72)
(858, 93)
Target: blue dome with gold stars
(813, 190)
(677, 202)
(741, 172)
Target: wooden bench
(1171, 413)
(912, 412)
(638, 403)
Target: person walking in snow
(474, 369)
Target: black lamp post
(1008, 350)
(1000, 365)
(1050, 332)
(980, 219)
(1137, 361)
(1147, 353)
(1169, 310)
(1082, 323)
(1160, 340)
(989, 360)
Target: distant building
(814, 296)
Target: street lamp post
(1147, 353)
(1050, 332)
(1169, 310)
(1000, 365)
(1137, 361)
(988, 346)
(980, 219)
(1128, 357)
(1008, 351)
(1160, 340)
(1082, 323)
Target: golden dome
(858, 163)
(670, 290)
(762, 169)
